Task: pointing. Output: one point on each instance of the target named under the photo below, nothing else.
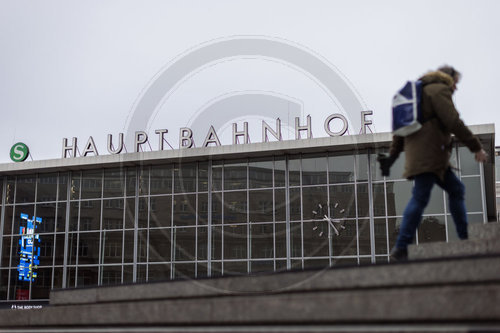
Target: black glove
(386, 162)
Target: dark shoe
(398, 254)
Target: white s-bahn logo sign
(19, 152)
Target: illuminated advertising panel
(29, 252)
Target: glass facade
(213, 218)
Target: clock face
(324, 212)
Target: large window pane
(235, 175)
(202, 177)
(111, 275)
(216, 243)
(111, 247)
(47, 212)
(185, 244)
(294, 170)
(185, 209)
(160, 245)
(131, 178)
(235, 242)
(279, 172)
(345, 243)
(61, 217)
(262, 241)
(46, 188)
(342, 201)
(90, 215)
(296, 239)
(161, 212)
(235, 268)
(295, 205)
(59, 250)
(393, 226)
(114, 183)
(88, 248)
(202, 209)
(9, 216)
(378, 200)
(143, 213)
(436, 202)
(216, 176)
(185, 178)
(87, 276)
(316, 239)
(144, 181)
(128, 248)
(260, 173)
(18, 221)
(362, 167)
(314, 202)
(217, 208)
(280, 205)
(261, 206)
(432, 229)
(398, 195)
(364, 237)
(161, 179)
(280, 241)
(380, 236)
(314, 170)
(41, 286)
(473, 194)
(235, 207)
(363, 202)
(63, 186)
(468, 165)
(129, 213)
(25, 189)
(112, 214)
(341, 169)
(142, 245)
(159, 272)
(202, 243)
(91, 184)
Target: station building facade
(226, 210)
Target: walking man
(428, 153)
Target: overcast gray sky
(78, 68)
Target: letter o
(332, 117)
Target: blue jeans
(421, 194)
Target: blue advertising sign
(29, 252)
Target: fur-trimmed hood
(437, 77)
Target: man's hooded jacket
(429, 149)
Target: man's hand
(481, 156)
(385, 164)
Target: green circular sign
(19, 152)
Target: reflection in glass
(345, 243)
(91, 184)
(88, 248)
(216, 243)
(184, 271)
(160, 245)
(342, 201)
(279, 172)
(235, 242)
(143, 180)
(314, 202)
(295, 205)
(63, 186)
(142, 215)
(261, 266)
(129, 213)
(41, 286)
(432, 229)
(260, 174)
(280, 205)
(261, 206)
(296, 239)
(473, 194)
(217, 208)
(235, 268)
(184, 244)
(25, 190)
(159, 272)
(393, 226)
(341, 169)
(380, 236)
(142, 245)
(235, 175)
(364, 237)
(131, 178)
(280, 239)
(316, 239)
(378, 200)
(161, 179)
(216, 176)
(202, 177)
(294, 171)
(468, 165)
(111, 275)
(185, 209)
(202, 209)
(90, 215)
(262, 241)
(114, 183)
(235, 207)
(128, 248)
(46, 187)
(112, 214)
(398, 195)
(361, 167)
(185, 178)
(111, 247)
(316, 263)
(160, 212)
(314, 170)
(87, 276)
(363, 202)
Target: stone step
(470, 247)
(430, 273)
(484, 231)
(459, 291)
